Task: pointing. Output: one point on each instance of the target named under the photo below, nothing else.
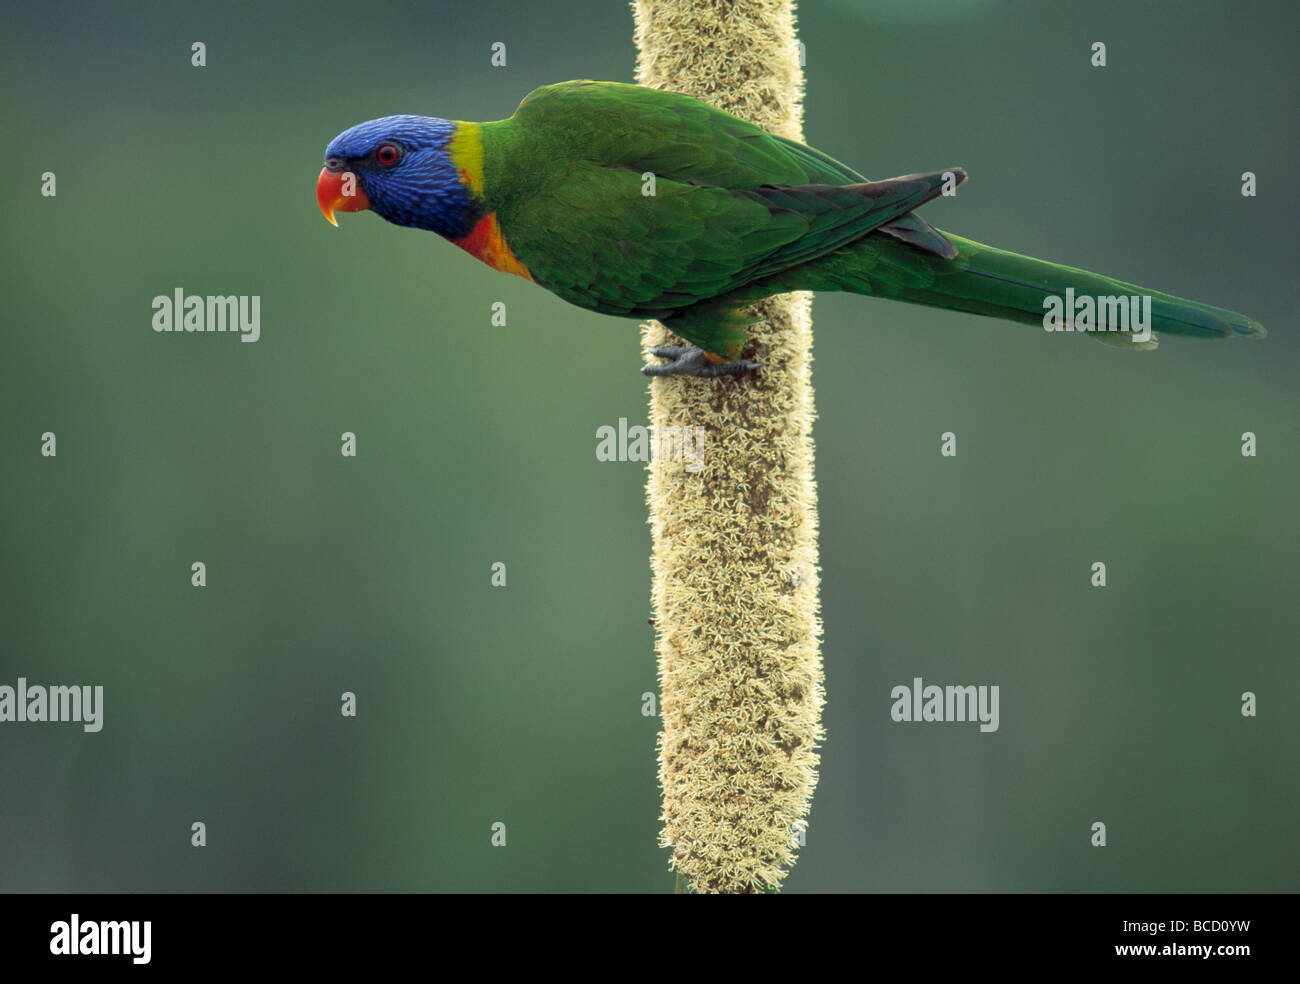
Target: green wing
(731, 204)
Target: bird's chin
(339, 191)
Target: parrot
(643, 203)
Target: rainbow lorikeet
(641, 203)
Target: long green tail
(997, 284)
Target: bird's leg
(691, 360)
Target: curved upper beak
(339, 191)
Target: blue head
(403, 170)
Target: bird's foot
(691, 361)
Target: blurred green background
(476, 444)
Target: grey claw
(691, 361)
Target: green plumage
(738, 214)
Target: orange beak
(339, 191)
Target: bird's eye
(388, 155)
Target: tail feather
(995, 283)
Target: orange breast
(487, 243)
